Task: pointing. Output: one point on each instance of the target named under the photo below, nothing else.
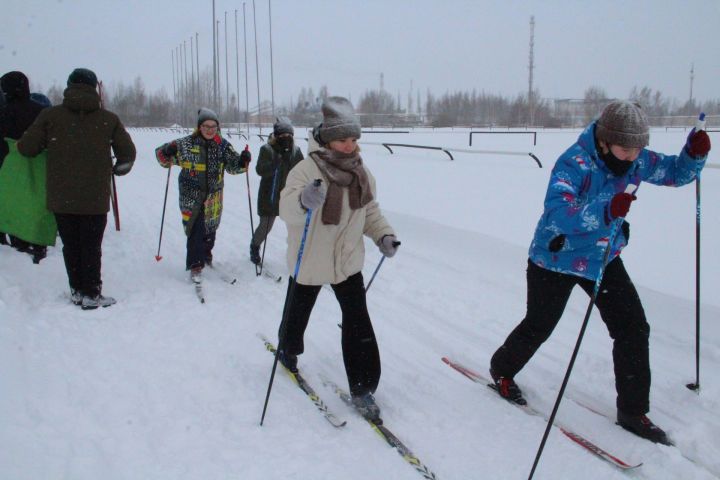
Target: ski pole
(162, 220)
(252, 227)
(286, 308)
(113, 187)
(699, 125)
(613, 232)
(267, 224)
(396, 243)
(114, 202)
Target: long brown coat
(78, 136)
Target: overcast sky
(441, 45)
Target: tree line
(139, 108)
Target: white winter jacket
(332, 253)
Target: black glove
(169, 149)
(245, 158)
(557, 243)
(122, 168)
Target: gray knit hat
(339, 120)
(283, 125)
(623, 123)
(206, 114)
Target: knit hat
(206, 114)
(40, 99)
(15, 85)
(339, 120)
(623, 123)
(283, 125)
(84, 76)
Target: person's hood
(81, 98)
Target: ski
(385, 433)
(223, 273)
(199, 291)
(300, 381)
(575, 437)
(271, 275)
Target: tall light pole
(272, 76)
(237, 71)
(531, 67)
(227, 75)
(215, 85)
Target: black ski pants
(199, 244)
(82, 237)
(620, 309)
(359, 346)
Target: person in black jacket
(277, 157)
(18, 113)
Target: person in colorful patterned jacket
(276, 158)
(204, 157)
(586, 198)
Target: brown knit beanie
(623, 123)
(339, 120)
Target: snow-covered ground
(162, 387)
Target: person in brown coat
(78, 136)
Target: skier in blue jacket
(585, 195)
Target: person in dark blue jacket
(16, 115)
(586, 199)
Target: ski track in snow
(162, 387)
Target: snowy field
(162, 387)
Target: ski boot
(507, 389)
(643, 427)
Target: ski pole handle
(700, 123)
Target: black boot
(255, 254)
(365, 404)
(38, 252)
(288, 361)
(507, 389)
(643, 427)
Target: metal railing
(533, 133)
(388, 145)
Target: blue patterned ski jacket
(577, 204)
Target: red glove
(245, 157)
(698, 144)
(620, 204)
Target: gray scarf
(342, 170)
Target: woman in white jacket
(343, 208)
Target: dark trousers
(82, 236)
(620, 309)
(360, 350)
(262, 230)
(199, 244)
